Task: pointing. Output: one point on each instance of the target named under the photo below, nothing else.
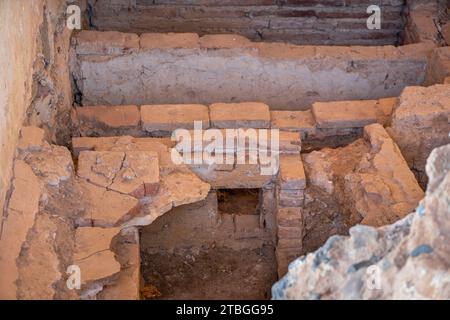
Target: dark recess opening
(239, 201)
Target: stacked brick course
(305, 22)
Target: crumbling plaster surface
(115, 68)
(35, 85)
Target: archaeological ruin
(232, 150)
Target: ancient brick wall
(341, 22)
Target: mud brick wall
(114, 68)
(34, 86)
(340, 22)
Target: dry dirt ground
(212, 273)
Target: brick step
(115, 68)
(324, 120)
(162, 120)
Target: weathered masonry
(89, 182)
(328, 22)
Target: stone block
(345, 114)
(290, 217)
(291, 198)
(438, 67)
(420, 123)
(133, 172)
(108, 120)
(292, 173)
(240, 115)
(169, 40)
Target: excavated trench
(201, 231)
(239, 240)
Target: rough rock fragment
(392, 190)
(108, 120)
(31, 139)
(168, 118)
(239, 115)
(292, 173)
(319, 170)
(302, 121)
(374, 183)
(345, 114)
